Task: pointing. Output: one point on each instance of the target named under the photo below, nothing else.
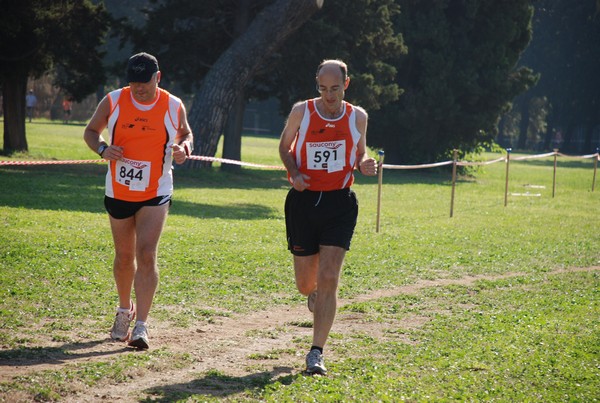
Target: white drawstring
(318, 201)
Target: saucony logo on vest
(135, 164)
(330, 145)
(329, 125)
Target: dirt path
(225, 346)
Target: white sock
(123, 310)
(139, 322)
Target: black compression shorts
(319, 218)
(120, 209)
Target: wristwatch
(101, 149)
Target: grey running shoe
(139, 337)
(120, 329)
(311, 301)
(315, 363)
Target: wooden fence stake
(380, 180)
(595, 167)
(454, 159)
(554, 175)
(508, 150)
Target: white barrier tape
(467, 164)
(437, 164)
(234, 162)
(578, 156)
(528, 157)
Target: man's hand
(113, 153)
(368, 167)
(299, 182)
(179, 154)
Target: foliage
(361, 33)
(459, 76)
(38, 36)
(190, 35)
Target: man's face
(331, 86)
(145, 92)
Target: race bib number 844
(326, 155)
(134, 174)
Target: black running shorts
(319, 218)
(120, 209)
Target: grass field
(495, 304)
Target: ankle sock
(320, 349)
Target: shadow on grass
(81, 188)
(32, 356)
(216, 384)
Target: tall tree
(38, 35)
(360, 32)
(238, 65)
(460, 75)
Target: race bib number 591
(134, 174)
(326, 155)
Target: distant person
(322, 143)
(148, 130)
(67, 105)
(30, 103)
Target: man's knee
(305, 287)
(329, 279)
(146, 255)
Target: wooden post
(554, 175)
(508, 150)
(595, 167)
(380, 182)
(454, 159)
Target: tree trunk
(232, 137)
(14, 89)
(237, 65)
(232, 142)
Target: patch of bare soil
(245, 348)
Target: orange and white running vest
(325, 149)
(146, 133)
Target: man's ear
(158, 77)
(346, 83)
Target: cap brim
(139, 77)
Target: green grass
(529, 338)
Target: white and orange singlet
(146, 133)
(325, 149)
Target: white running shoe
(120, 329)
(315, 363)
(312, 298)
(139, 337)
